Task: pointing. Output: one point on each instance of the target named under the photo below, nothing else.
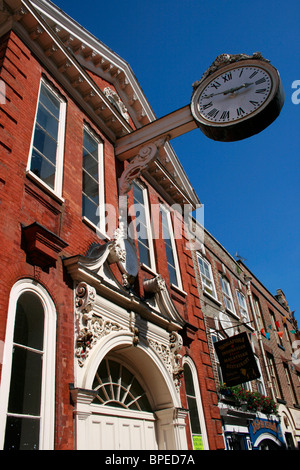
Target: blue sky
(250, 189)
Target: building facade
(260, 411)
(103, 341)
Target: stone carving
(170, 356)
(154, 285)
(225, 59)
(85, 297)
(117, 103)
(96, 327)
(175, 346)
(89, 326)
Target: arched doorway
(122, 417)
(129, 400)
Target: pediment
(94, 269)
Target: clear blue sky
(250, 189)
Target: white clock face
(234, 94)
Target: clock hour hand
(231, 90)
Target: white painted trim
(187, 360)
(174, 248)
(48, 374)
(148, 225)
(215, 296)
(100, 229)
(58, 179)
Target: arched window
(27, 388)
(117, 386)
(197, 422)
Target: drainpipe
(259, 337)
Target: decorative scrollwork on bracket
(138, 164)
(170, 356)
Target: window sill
(101, 234)
(35, 179)
(178, 290)
(211, 297)
(148, 269)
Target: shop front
(266, 434)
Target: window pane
(144, 254)
(172, 275)
(170, 257)
(140, 214)
(90, 187)
(193, 410)
(25, 386)
(42, 168)
(90, 210)
(50, 101)
(188, 380)
(45, 144)
(90, 165)
(138, 193)
(22, 434)
(47, 121)
(29, 322)
(90, 144)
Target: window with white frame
(258, 314)
(273, 375)
(215, 337)
(168, 235)
(142, 225)
(93, 209)
(194, 402)
(243, 306)
(27, 390)
(47, 149)
(206, 277)
(226, 293)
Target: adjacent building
(262, 411)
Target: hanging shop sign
(237, 360)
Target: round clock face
(234, 94)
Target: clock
(237, 97)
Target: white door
(111, 432)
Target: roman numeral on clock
(225, 115)
(227, 77)
(253, 74)
(207, 105)
(216, 85)
(261, 80)
(261, 90)
(240, 112)
(255, 103)
(213, 113)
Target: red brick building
(96, 327)
(234, 302)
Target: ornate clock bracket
(138, 164)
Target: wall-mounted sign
(197, 442)
(237, 360)
(259, 427)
